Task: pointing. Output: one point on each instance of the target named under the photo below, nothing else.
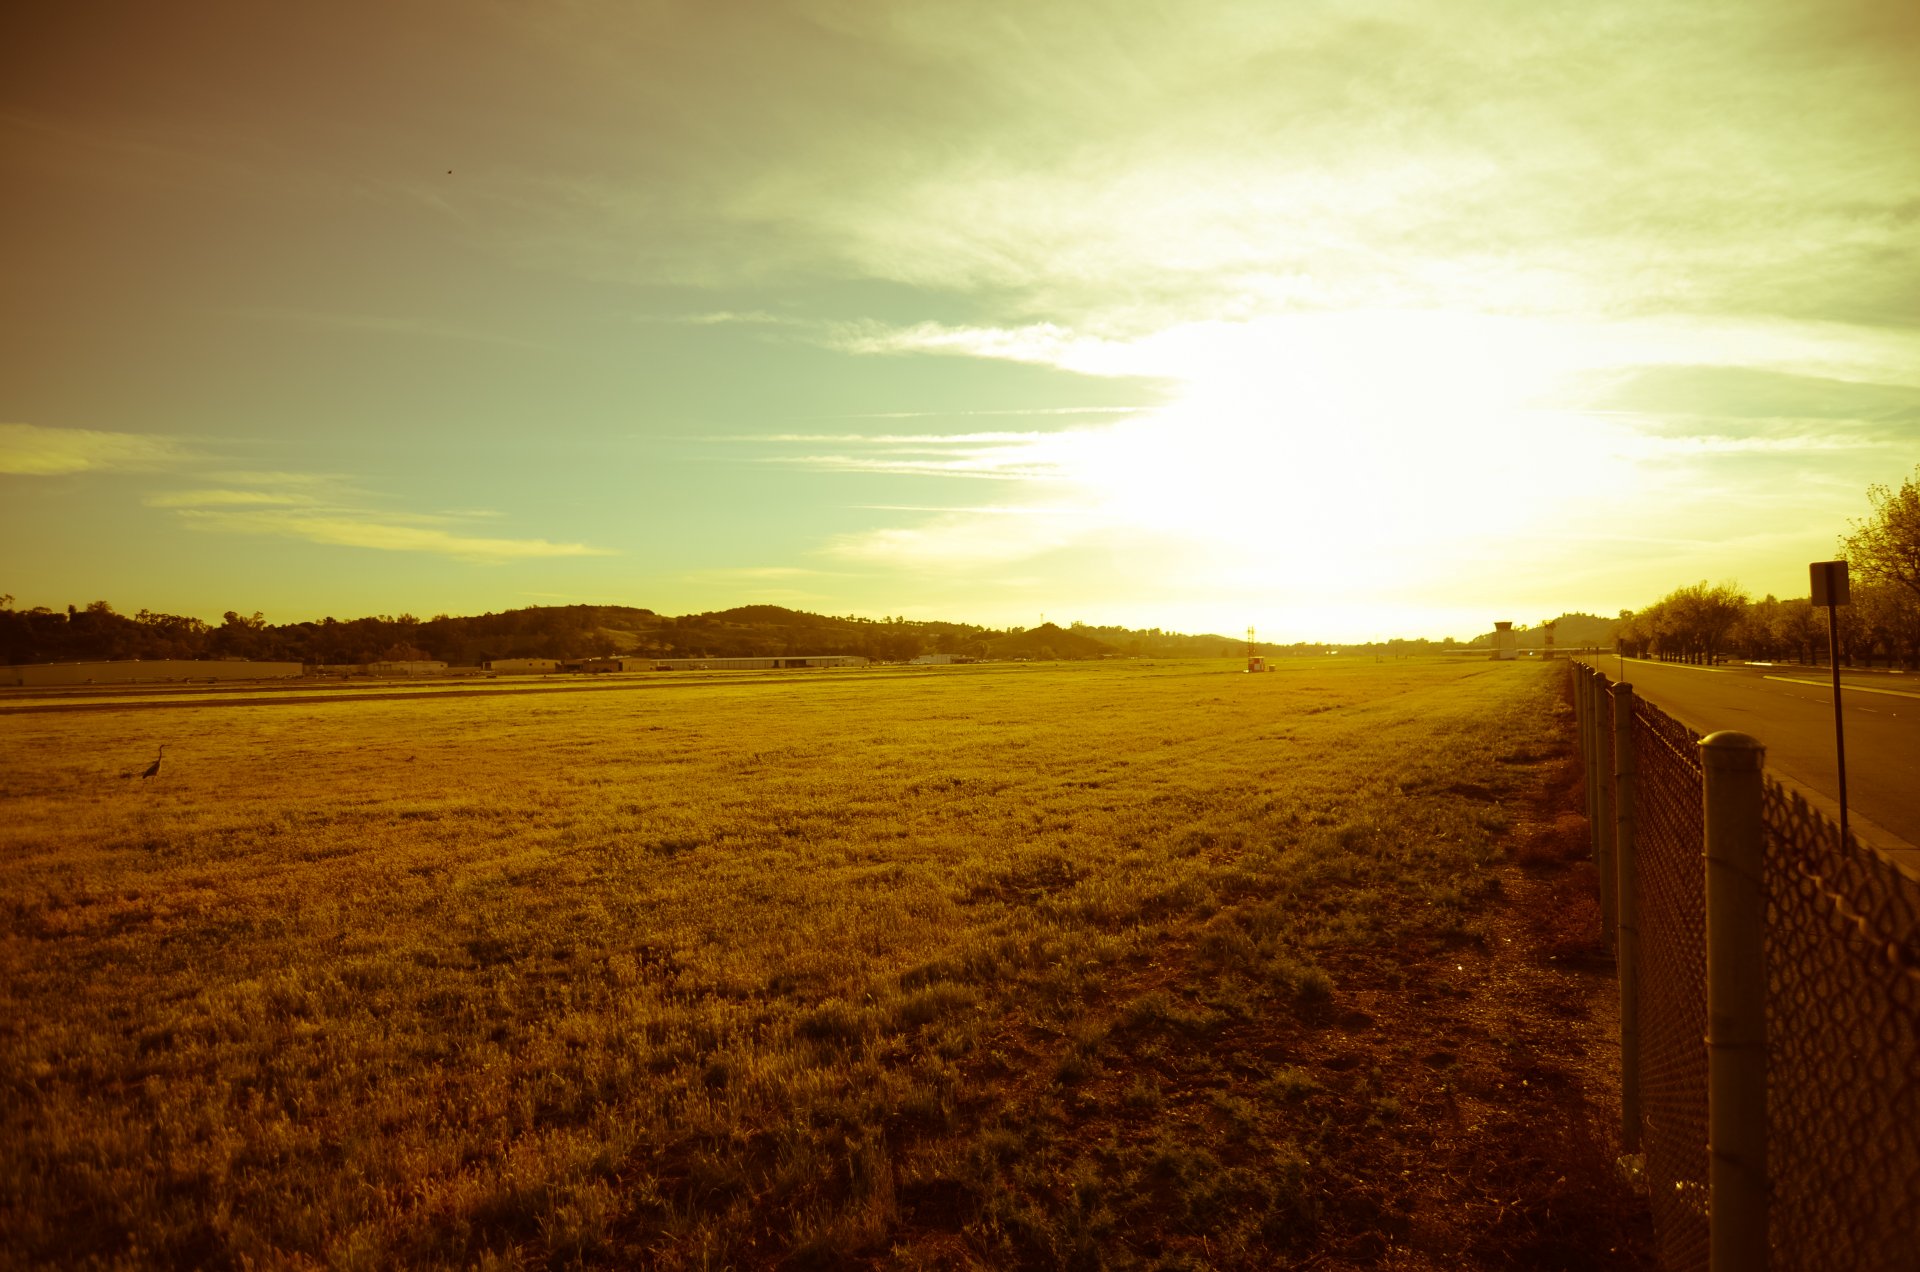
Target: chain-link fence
(1841, 1188)
(1671, 900)
(1843, 1046)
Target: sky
(1342, 320)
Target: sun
(1347, 449)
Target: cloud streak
(30, 450)
(322, 510)
(370, 530)
(990, 456)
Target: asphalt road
(1790, 709)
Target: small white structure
(932, 660)
(410, 667)
(597, 665)
(781, 663)
(1506, 645)
(522, 665)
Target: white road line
(1844, 687)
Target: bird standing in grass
(153, 768)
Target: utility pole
(1830, 588)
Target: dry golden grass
(912, 970)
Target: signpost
(1831, 590)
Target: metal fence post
(1736, 1003)
(1604, 857)
(1627, 915)
(1587, 768)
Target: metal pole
(1839, 729)
(1627, 925)
(1604, 857)
(1588, 769)
(1736, 1004)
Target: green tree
(1885, 547)
(240, 636)
(1883, 553)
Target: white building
(523, 665)
(780, 663)
(409, 667)
(149, 670)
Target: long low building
(779, 663)
(150, 671)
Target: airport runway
(1790, 709)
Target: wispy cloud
(274, 479)
(970, 510)
(30, 450)
(994, 456)
(1021, 411)
(730, 317)
(1045, 344)
(368, 530)
(1651, 445)
(887, 439)
(1147, 165)
(322, 511)
(231, 499)
(1011, 466)
(318, 507)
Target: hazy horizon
(1343, 324)
(1040, 622)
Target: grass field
(1050, 965)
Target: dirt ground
(1454, 1106)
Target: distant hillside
(1049, 641)
(98, 631)
(1571, 631)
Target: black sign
(1830, 583)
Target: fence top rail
(1674, 739)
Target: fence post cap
(1730, 748)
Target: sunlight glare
(1344, 449)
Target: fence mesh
(1843, 1047)
(1843, 1025)
(1672, 908)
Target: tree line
(1702, 623)
(98, 631)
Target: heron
(154, 767)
